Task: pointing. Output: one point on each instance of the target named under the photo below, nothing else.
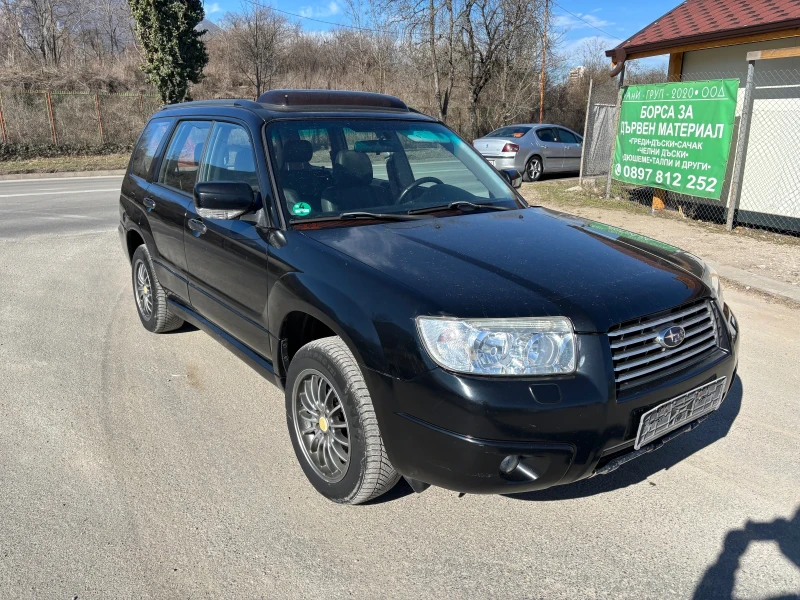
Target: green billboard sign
(676, 136)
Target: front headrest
(297, 151)
(352, 168)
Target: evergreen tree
(174, 53)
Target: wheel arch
(304, 308)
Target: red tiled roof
(714, 19)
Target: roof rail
(283, 99)
(221, 102)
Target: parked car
(421, 318)
(533, 150)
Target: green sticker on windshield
(301, 209)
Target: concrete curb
(69, 174)
(759, 282)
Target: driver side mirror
(513, 177)
(223, 199)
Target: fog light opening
(509, 463)
(513, 468)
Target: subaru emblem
(671, 337)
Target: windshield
(516, 131)
(328, 167)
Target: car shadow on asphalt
(185, 328)
(719, 580)
(713, 429)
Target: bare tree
(256, 35)
(488, 30)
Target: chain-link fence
(598, 137)
(73, 118)
(761, 187)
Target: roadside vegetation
(475, 65)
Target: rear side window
(512, 131)
(566, 137)
(545, 135)
(148, 146)
(230, 156)
(182, 159)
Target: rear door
(572, 149)
(170, 197)
(227, 259)
(550, 149)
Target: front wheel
(333, 426)
(533, 169)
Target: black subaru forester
(422, 318)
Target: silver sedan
(532, 149)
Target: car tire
(328, 404)
(533, 169)
(149, 296)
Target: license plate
(681, 410)
(491, 162)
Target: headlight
(711, 278)
(527, 346)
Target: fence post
(585, 133)
(2, 122)
(621, 91)
(52, 119)
(141, 106)
(99, 117)
(735, 194)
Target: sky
(611, 20)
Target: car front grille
(639, 358)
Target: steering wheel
(415, 185)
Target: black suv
(422, 318)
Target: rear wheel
(151, 299)
(333, 426)
(533, 169)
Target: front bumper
(454, 431)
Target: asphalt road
(138, 465)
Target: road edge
(773, 287)
(62, 175)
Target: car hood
(529, 262)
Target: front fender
(377, 343)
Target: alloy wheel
(534, 169)
(321, 425)
(144, 289)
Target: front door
(572, 149)
(227, 259)
(551, 149)
(169, 197)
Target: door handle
(149, 203)
(197, 226)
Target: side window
(545, 135)
(148, 146)
(182, 159)
(230, 156)
(566, 137)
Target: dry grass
(65, 164)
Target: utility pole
(544, 60)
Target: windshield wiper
(382, 216)
(460, 205)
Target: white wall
(772, 171)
